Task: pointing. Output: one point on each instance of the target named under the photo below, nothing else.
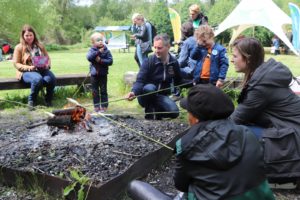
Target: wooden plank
(61, 80)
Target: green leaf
(75, 175)
(69, 188)
(81, 193)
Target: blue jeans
(99, 82)
(37, 80)
(141, 56)
(157, 103)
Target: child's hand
(101, 49)
(98, 59)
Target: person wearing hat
(217, 159)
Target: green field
(74, 61)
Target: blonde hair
(204, 31)
(194, 8)
(134, 16)
(140, 16)
(96, 35)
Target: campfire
(70, 117)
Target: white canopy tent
(250, 13)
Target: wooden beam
(61, 80)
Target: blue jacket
(186, 48)
(100, 68)
(219, 62)
(154, 72)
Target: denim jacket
(99, 68)
(219, 62)
(185, 59)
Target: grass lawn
(74, 61)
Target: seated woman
(33, 66)
(269, 107)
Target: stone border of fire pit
(110, 190)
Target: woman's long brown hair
(252, 52)
(28, 28)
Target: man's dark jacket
(153, 71)
(267, 101)
(219, 160)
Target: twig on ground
(126, 154)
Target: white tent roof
(251, 13)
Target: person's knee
(149, 88)
(37, 81)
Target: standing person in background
(141, 37)
(33, 66)
(212, 60)
(134, 30)
(100, 59)
(276, 45)
(196, 16)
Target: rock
(129, 77)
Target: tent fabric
(250, 13)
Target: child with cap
(100, 58)
(215, 159)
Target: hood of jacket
(271, 73)
(216, 144)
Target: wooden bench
(61, 80)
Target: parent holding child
(33, 66)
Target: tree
(159, 16)
(13, 18)
(218, 13)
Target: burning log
(67, 118)
(61, 121)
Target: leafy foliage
(160, 18)
(79, 179)
(64, 22)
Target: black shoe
(30, 105)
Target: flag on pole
(295, 15)
(176, 24)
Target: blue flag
(295, 15)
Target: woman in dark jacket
(269, 107)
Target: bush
(55, 47)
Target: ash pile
(96, 146)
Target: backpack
(151, 30)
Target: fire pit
(109, 156)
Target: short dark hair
(163, 37)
